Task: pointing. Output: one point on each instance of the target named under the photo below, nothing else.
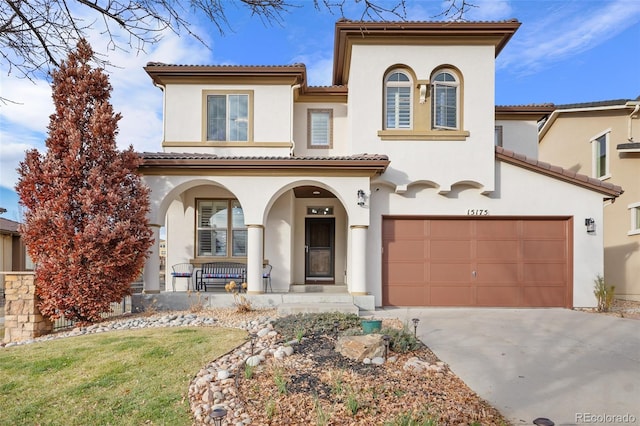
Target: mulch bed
(322, 387)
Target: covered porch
(307, 218)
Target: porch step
(318, 288)
(307, 308)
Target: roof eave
(609, 191)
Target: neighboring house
(602, 140)
(387, 185)
(13, 253)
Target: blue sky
(566, 51)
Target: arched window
(398, 100)
(445, 100)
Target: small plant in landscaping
(604, 294)
(150, 308)
(322, 417)
(299, 334)
(352, 403)
(240, 300)
(281, 382)
(270, 408)
(197, 304)
(402, 340)
(337, 387)
(248, 371)
(421, 418)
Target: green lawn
(130, 377)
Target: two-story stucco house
(601, 140)
(398, 185)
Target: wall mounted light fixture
(590, 223)
(360, 197)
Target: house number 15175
(478, 212)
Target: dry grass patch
(118, 378)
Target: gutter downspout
(631, 117)
(293, 143)
(164, 108)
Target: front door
(319, 247)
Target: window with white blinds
(445, 100)
(320, 125)
(214, 226)
(398, 100)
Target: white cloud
(565, 32)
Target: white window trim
(329, 143)
(408, 84)
(455, 84)
(594, 155)
(634, 211)
(205, 119)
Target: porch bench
(218, 274)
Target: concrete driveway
(571, 367)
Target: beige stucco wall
(185, 110)
(520, 136)
(340, 128)
(567, 143)
(442, 162)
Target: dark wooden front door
(320, 251)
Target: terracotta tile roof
(232, 67)
(606, 188)
(596, 104)
(368, 164)
(8, 226)
(193, 156)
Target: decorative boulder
(360, 347)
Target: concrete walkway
(571, 367)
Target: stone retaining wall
(22, 318)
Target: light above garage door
(490, 262)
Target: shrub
(243, 304)
(605, 294)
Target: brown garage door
(476, 262)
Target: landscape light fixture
(254, 339)
(386, 339)
(360, 197)
(415, 326)
(217, 416)
(335, 328)
(590, 223)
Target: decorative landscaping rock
(360, 347)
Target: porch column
(151, 274)
(255, 257)
(358, 285)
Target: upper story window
(398, 100)
(445, 100)
(221, 231)
(423, 109)
(600, 149)
(319, 128)
(227, 116)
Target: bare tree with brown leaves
(86, 225)
(36, 34)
